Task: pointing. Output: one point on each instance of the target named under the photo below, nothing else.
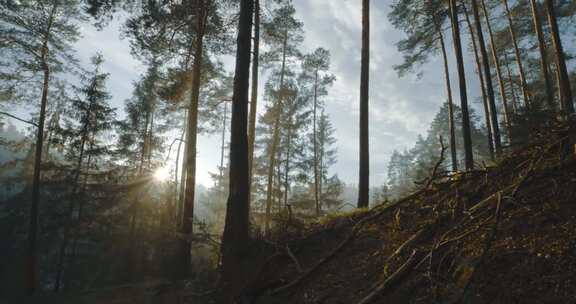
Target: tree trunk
(254, 92)
(315, 144)
(498, 70)
(187, 220)
(235, 237)
(564, 83)
(275, 138)
(364, 172)
(487, 113)
(525, 91)
(31, 263)
(511, 82)
(287, 164)
(542, 49)
(468, 156)
(487, 81)
(451, 127)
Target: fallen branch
(438, 163)
(294, 259)
(487, 246)
(393, 279)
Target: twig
(20, 119)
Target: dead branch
(438, 163)
(394, 279)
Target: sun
(162, 174)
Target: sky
(400, 108)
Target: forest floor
(504, 234)
(501, 234)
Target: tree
(283, 34)
(518, 58)
(235, 237)
(487, 80)
(564, 82)
(543, 57)
(254, 88)
(314, 64)
(469, 158)
(38, 36)
(496, 60)
(90, 116)
(364, 172)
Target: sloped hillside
(505, 234)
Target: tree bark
(496, 60)
(525, 91)
(235, 237)
(511, 82)
(564, 83)
(542, 49)
(254, 92)
(487, 80)
(468, 155)
(364, 172)
(187, 220)
(451, 126)
(31, 263)
(487, 113)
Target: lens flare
(162, 174)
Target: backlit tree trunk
(487, 113)
(364, 172)
(187, 220)
(254, 92)
(468, 155)
(487, 80)
(235, 238)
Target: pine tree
(36, 42)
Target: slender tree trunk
(487, 81)
(487, 113)
(496, 60)
(223, 144)
(564, 81)
(287, 164)
(511, 82)
(235, 238)
(254, 92)
(451, 127)
(187, 220)
(315, 144)
(31, 263)
(525, 91)
(542, 49)
(364, 172)
(468, 155)
(70, 212)
(275, 138)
